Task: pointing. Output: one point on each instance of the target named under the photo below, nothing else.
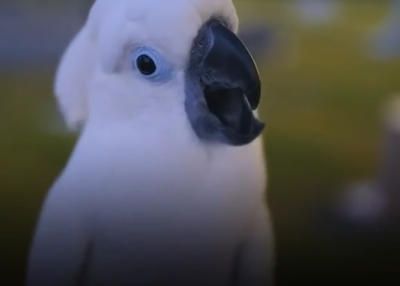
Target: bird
(166, 184)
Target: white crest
(112, 27)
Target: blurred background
(331, 101)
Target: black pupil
(146, 65)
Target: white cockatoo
(166, 184)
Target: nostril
(201, 42)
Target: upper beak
(226, 63)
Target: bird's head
(135, 56)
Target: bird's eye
(151, 64)
(146, 65)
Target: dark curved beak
(227, 64)
(223, 87)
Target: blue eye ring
(151, 65)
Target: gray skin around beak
(223, 87)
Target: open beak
(230, 86)
(228, 64)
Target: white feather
(138, 171)
(73, 77)
(77, 66)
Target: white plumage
(143, 201)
